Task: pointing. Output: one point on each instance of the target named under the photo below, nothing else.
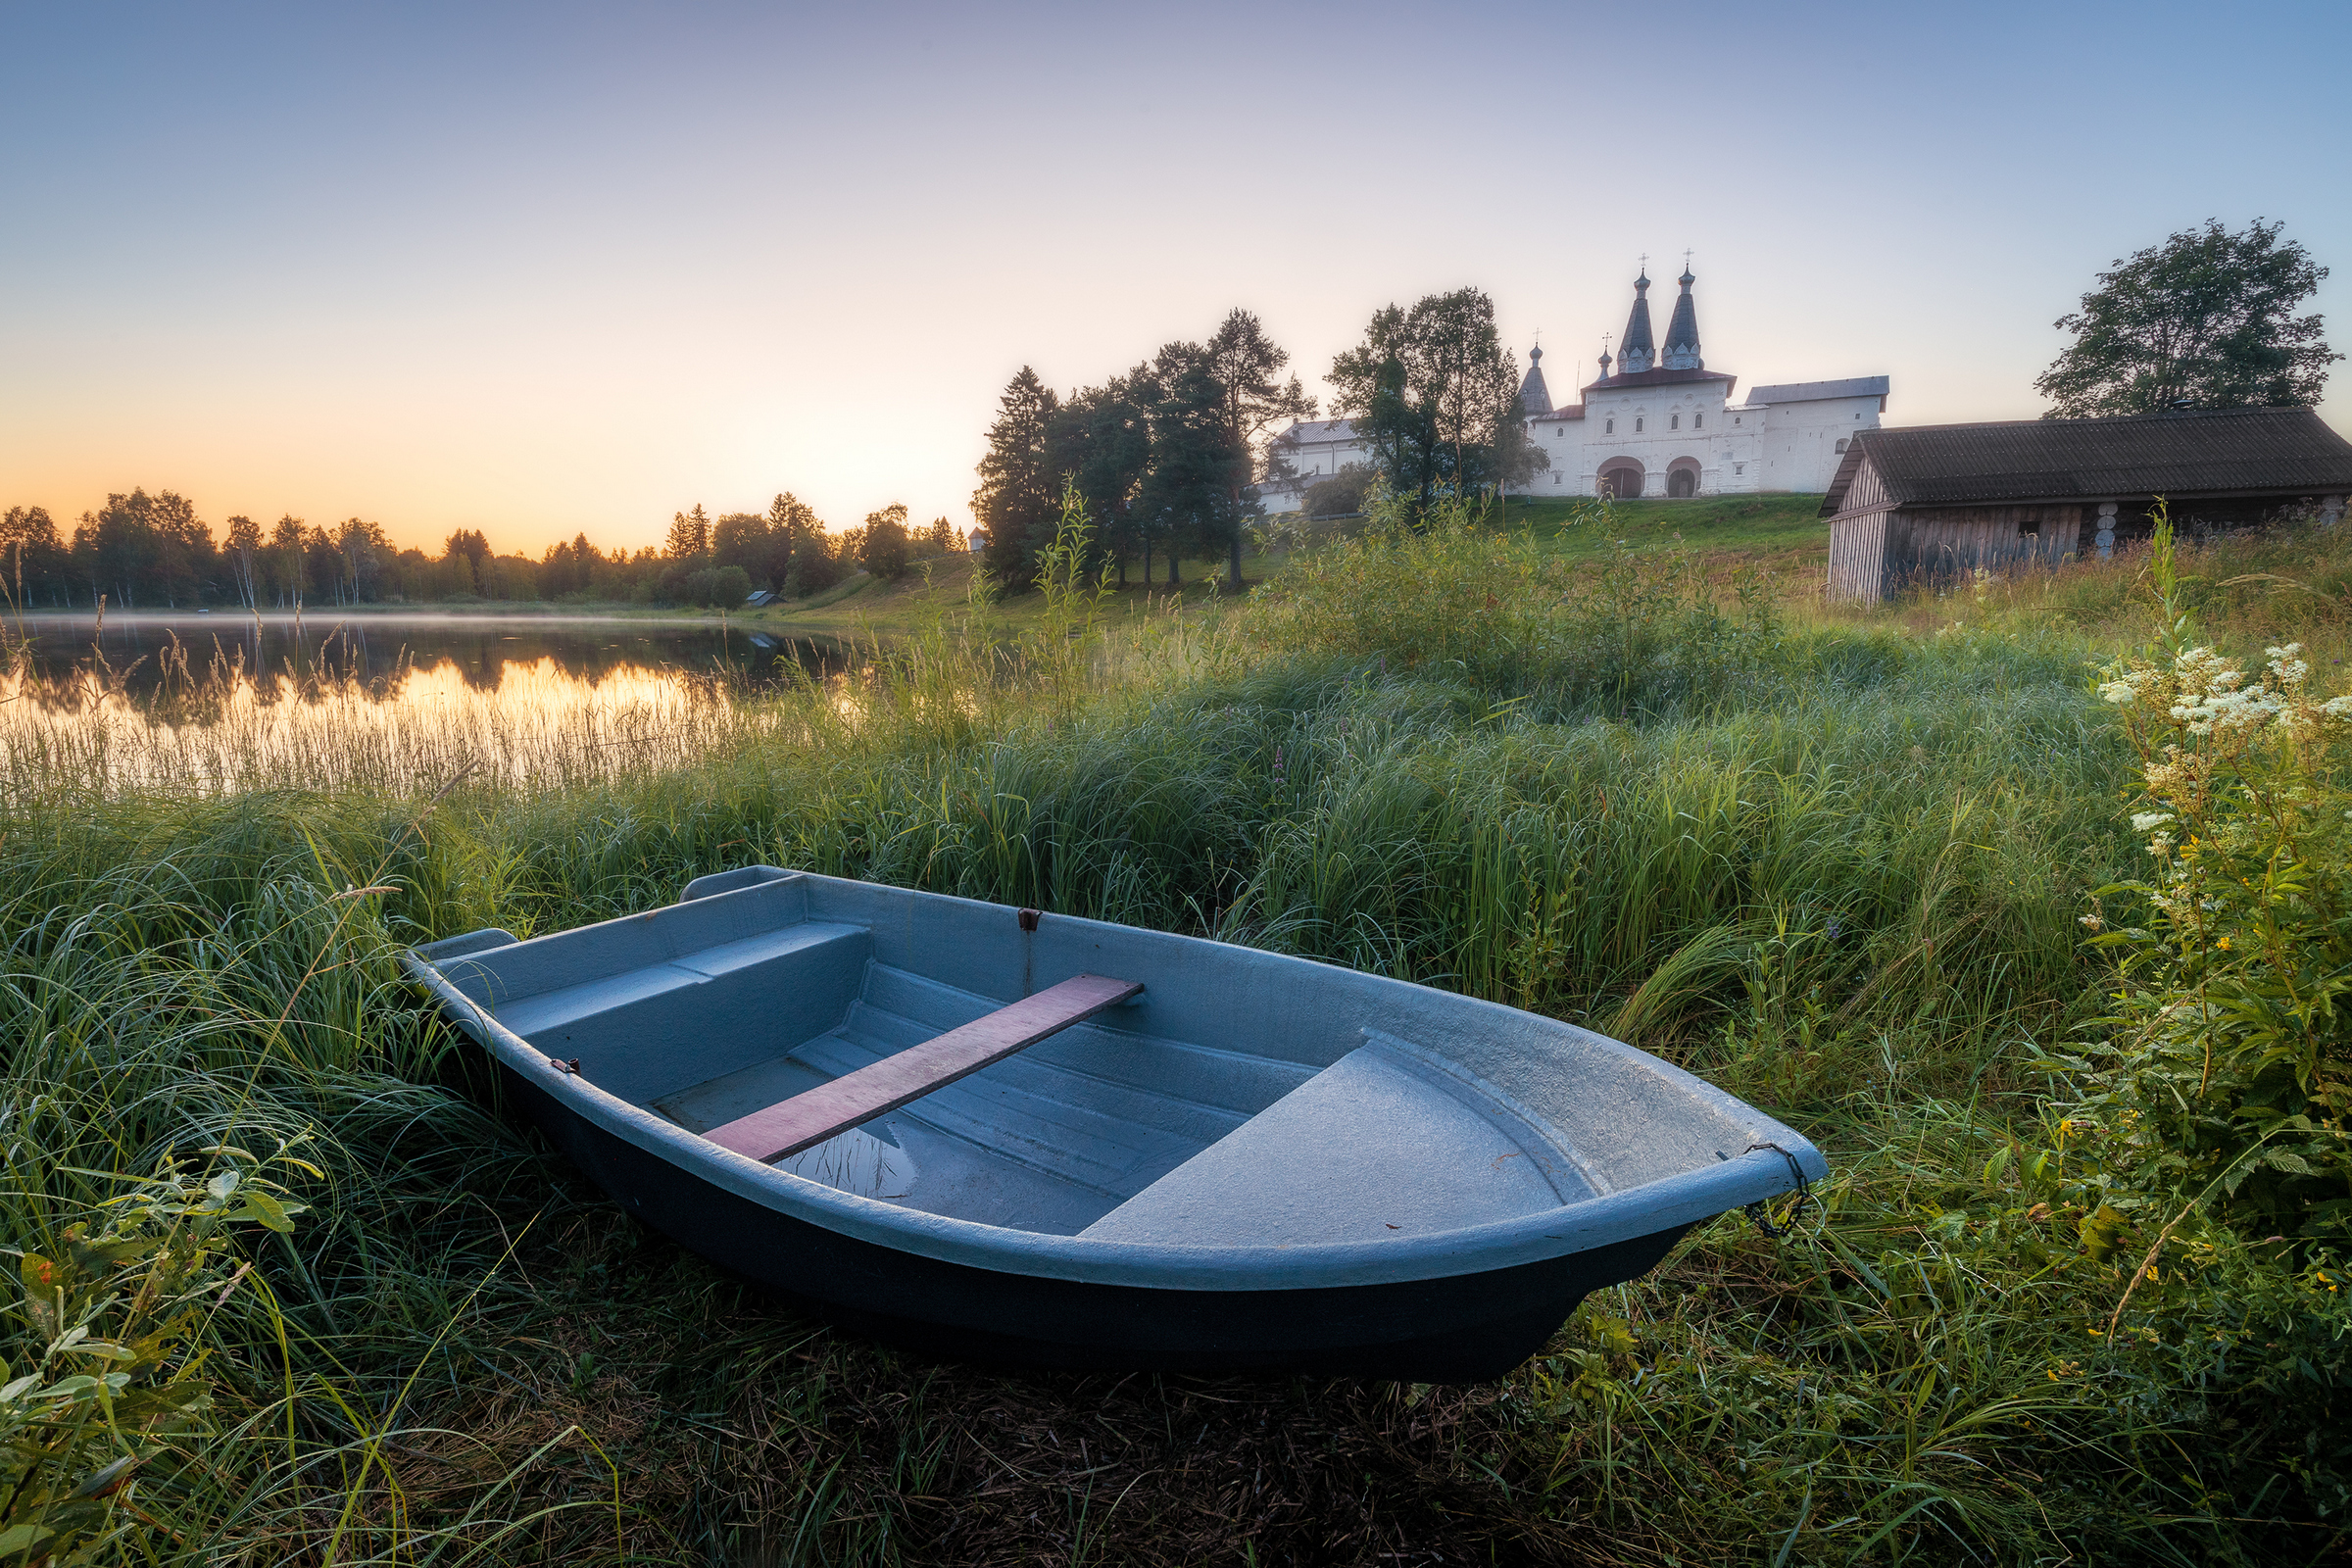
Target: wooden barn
(1938, 501)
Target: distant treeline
(143, 551)
(1162, 455)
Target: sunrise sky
(545, 269)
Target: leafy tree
(711, 587)
(144, 547)
(1339, 496)
(1245, 364)
(939, 538)
(289, 569)
(751, 541)
(322, 561)
(2204, 320)
(467, 556)
(33, 558)
(1018, 499)
(1436, 396)
(186, 560)
(883, 549)
(364, 553)
(243, 557)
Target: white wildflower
(2141, 822)
(2203, 669)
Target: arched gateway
(1620, 477)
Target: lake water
(396, 657)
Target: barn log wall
(1953, 541)
(1859, 559)
(1858, 555)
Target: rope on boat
(1761, 1211)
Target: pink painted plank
(809, 1119)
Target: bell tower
(1681, 332)
(1639, 347)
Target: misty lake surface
(398, 656)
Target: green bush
(716, 587)
(2225, 1079)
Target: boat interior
(1105, 1128)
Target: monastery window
(1674, 421)
(1734, 418)
(1637, 425)
(1609, 428)
(1841, 446)
(1738, 468)
(1699, 422)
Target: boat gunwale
(1681, 1198)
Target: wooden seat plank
(809, 1119)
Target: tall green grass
(1835, 866)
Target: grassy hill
(1782, 532)
(1785, 531)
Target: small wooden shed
(1936, 501)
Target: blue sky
(541, 269)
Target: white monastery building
(1654, 425)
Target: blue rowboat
(999, 1135)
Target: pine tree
(1190, 499)
(1244, 362)
(689, 534)
(1018, 501)
(1100, 440)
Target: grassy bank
(1833, 860)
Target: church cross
(1686, 261)
(1646, 264)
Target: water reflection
(396, 658)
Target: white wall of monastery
(1736, 448)
(1803, 441)
(1655, 427)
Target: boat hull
(1465, 1328)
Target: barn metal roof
(1853, 386)
(2200, 453)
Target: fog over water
(384, 652)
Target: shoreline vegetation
(295, 1287)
